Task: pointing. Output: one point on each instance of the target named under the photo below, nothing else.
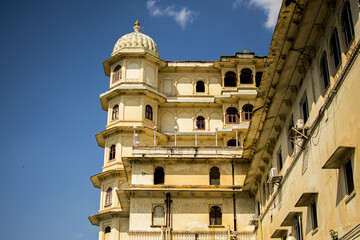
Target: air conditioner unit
(253, 220)
(273, 172)
(300, 123)
(274, 176)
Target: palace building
(247, 147)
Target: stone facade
(247, 147)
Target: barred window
(232, 115)
(117, 74)
(215, 215)
(112, 152)
(149, 112)
(200, 122)
(108, 198)
(115, 112)
(247, 112)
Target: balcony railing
(186, 152)
(190, 235)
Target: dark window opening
(263, 194)
(314, 215)
(117, 74)
(258, 210)
(335, 48)
(108, 198)
(280, 160)
(230, 79)
(246, 76)
(305, 109)
(247, 112)
(112, 152)
(297, 230)
(258, 77)
(149, 112)
(347, 24)
(214, 176)
(200, 123)
(107, 229)
(115, 112)
(159, 175)
(215, 215)
(200, 86)
(290, 133)
(232, 116)
(349, 177)
(232, 143)
(325, 71)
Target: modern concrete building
(247, 147)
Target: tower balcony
(187, 152)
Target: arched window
(107, 229)
(200, 122)
(158, 216)
(246, 76)
(230, 79)
(258, 77)
(325, 71)
(115, 112)
(215, 215)
(347, 24)
(232, 116)
(159, 175)
(335, 48)
(112, 152)
(108, 198)
(214, 176)
(247, 112)
(232, 143)
(200, 86)
(148, 112)
(117, 74)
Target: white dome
(136, 42)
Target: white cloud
(78, 236)
(182, 15)
(270, 7)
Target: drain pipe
(168, 214)
(234, 201)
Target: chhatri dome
(135, 42)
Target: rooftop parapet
(186, 152)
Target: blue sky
(51, 75)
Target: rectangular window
(267, 187)
(297, 229)
(349, 177)
(291, 134)
(314, 215)
(305, 109)
(263, 194)
(257, 208)
(280, 160)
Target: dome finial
(137, 26)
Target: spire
(137, 26)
